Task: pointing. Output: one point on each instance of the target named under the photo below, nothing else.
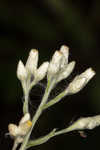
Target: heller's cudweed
(56, 70)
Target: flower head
(80, 81)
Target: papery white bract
(21, 71)
(32, 61)
(55, 63)
(41, 71)
(66, 71)
(65, 51)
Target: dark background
(46, 25)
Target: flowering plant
(56, 70)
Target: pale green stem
(66, 130)
(33, 83)
(41, 140)
(15, 145)
(38, 113)
(26, 88)
(47, 137)
(26, 96)
(25, 104)
(55, 100)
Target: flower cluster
(56, 70)
(23, 72)
(19, 131)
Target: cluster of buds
(58, 68)
(23, 72)
(19, 131)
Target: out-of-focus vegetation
(46, 25)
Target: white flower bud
(80, 81)
(32, 61)
(86, 123)
(67, 71)
(65, 51)
(55, 63)
(41, 72)
(21, 71)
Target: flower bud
(55, 63)
(65, 51)
(67, 71)
(80, 81)
(32, 61)
(21, 71)
(42, 70)
(86, 123)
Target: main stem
(38, 113)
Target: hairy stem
(55, 100)
(38, 113)
(15, 145)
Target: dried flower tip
(55, 63)
(67, 71)
(32, 61)
(21, 71)
(65, 50)
(13, 130)
(21, 130)
(25, 118)
(41, 72)
(80, 81)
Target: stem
(41, 140)
(55, 100)
(47, 137)
(26, 88)
(33, 83)
(15, 145)
(38, 113)
(25, 105)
